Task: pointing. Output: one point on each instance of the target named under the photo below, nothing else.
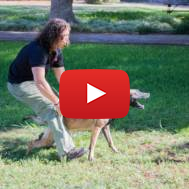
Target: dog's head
(135, 94)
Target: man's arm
(58, 72)
(43, 85)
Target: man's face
(64, 39)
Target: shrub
(183, 28)
(101, 1)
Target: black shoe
(75, 153)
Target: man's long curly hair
(52, 32)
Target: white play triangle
(93, 93)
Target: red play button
(94, 94)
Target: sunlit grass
(146, 160)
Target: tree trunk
(62, 9)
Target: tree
(62, 9)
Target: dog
(45, 139)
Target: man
(27, 82)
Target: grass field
(153, 144)
(99, 19)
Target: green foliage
(183, 28)
(154, 27)
(127, 14)
(101, 1)
(22, 18)
(99, 19)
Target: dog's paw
(114, 149)
(91, 158)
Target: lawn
(99, 19)
(153, 143)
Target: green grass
(146, 160)
(153, 143)
(99, 19)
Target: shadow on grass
(16, 150)
(13, 149)
(175, 154)
(183, 146)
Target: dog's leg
(107, 134)
(45, 140)
(94, 137)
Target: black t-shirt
(33, 55)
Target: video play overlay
(94, 94)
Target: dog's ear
(137, 94)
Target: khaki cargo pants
(28, 93)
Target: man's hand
(57, 106)
(43, 85)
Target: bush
(183, 28)
(154, 27)
(101, 1)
